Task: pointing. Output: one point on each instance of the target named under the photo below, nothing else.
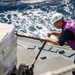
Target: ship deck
(52, 57)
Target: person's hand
(49, 34)
(46, 38)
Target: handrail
(42, 40)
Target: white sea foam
(35, 22)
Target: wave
(32, 18)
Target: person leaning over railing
(66, 35)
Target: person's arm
(53, 33)
(52, 40)
(57, 33)
(65, 35)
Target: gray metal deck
(51, 58)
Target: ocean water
(32, 17)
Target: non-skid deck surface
(25, 56)
(49, 60)
(42, 66)
(53, 64)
